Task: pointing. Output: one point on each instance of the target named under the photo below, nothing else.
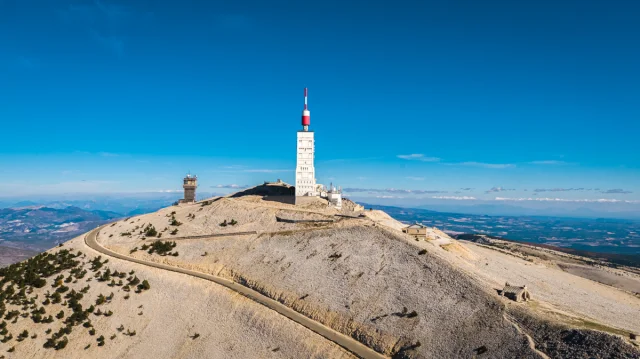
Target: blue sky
(438, 97)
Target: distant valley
(30, 226)
(40, 228)
(612, 236)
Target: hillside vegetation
(171, 316)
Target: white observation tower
(305, 171)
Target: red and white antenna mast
(306, 115)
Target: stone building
(516, 293)
(418, 230)
(334, 196)
(190, 183)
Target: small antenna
(305, 98)
(306, 115)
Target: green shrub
(145, 285)
(150, 231)
(162, 248)
(62, 343)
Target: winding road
(340, 339)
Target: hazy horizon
(590, 210)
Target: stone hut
(418, 230)
(516, 293)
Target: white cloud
(488, 165)
(616, 191)
(548, 162)
(419, 157)
(547, 199)
(560, 189)
(232, 186)
(415, 178)
(392, 190)
(457, 198)
(108, 154)
(499, 189)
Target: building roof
(416, 226)
(513, 289)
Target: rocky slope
(176, 317)
(356, 274)
(361, 276)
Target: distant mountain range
(39, 228)
(511, 210)
(514, 208)
(38, 223)
(124, 204)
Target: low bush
(162, 248)
(150, 231)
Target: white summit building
(305, 170)
(306, 186)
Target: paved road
(342, 340)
